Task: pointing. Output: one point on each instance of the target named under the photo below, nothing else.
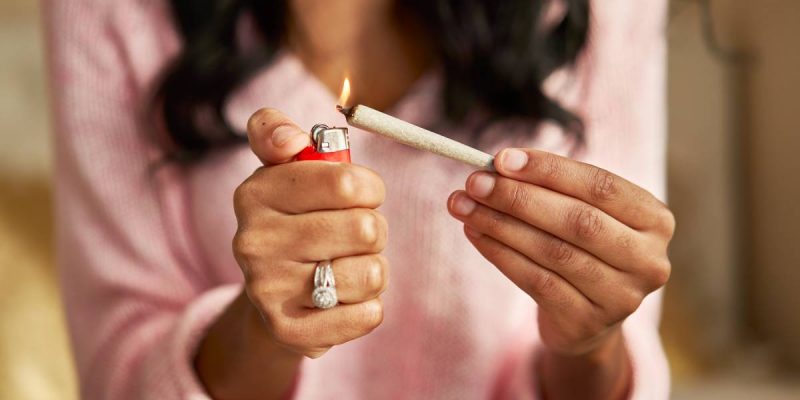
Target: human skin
(585, 244)
(561, 230)
(291, 215)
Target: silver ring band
(324, 294)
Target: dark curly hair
(494, 55)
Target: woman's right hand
(292, 215)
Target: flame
(345, 93)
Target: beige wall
(734, 176)
(35, 361)
(702, 311)
(771, 33)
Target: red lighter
(329, 144)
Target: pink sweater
(145, 259)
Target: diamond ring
(324, 294)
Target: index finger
(274, 137)
(616, 196)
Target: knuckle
(371, 229)
(344, 183)
(246, 195)
(243, 260)
(520, 198)
(659, 273)
(602, 185)
(591, 271)
(559, 252)
(585, 221)
(367, 228)
(240, 197)
(372, 315)
(626, 241)
(665, 221)
(246, 244)
(243, 193)
(628, 302)
(375, 278)
(543, 283)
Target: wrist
(237, 355)
(604, 371)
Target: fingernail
(513, 159)
(472, 232)
(282, 134)
(481, 184)
(463, 205)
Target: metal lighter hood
(329, 140)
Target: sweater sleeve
(617, 88)
(137, 299)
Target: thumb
(274, 138)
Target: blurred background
(731, 322)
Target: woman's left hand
(585, 244)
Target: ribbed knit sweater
(145, 254)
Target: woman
(562, 305)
